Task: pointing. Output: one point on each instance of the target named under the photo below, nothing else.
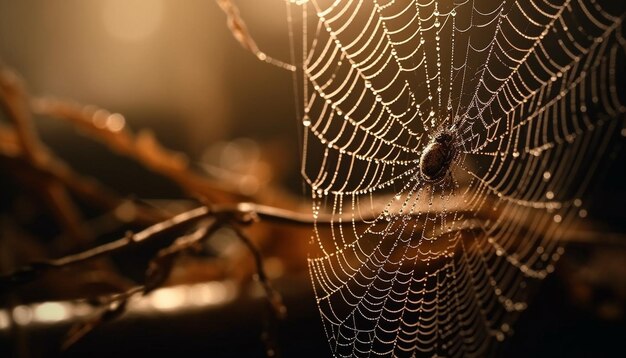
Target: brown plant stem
(142, 147)
(89, 189)
(241, 214)
(238, 28)
(14, 102)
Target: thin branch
(159, 270)
(274, 299)
(142, 147)
(36, 269)
(54, 169)
(241, 214)
(160, 267)
(113, 307)
(14, 100)
(240, 31)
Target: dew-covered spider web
(531, 94)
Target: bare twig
(158, 272)
(274, 299)
(240, 31)
(14, 100)
(142, 147)
(36, 269)
(54, 169)
(241, 214)
(161, 266)
(273, 296)
(113, 307)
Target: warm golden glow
(168, 298)
(51, 312)
(22, 315)
(132, 20)
(5, 322)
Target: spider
(438, 156)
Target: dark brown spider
(437, 157)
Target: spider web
(530, 90)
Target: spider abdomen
(436, 159)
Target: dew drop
(550, 195)
(547, 175)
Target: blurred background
(174, 68)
